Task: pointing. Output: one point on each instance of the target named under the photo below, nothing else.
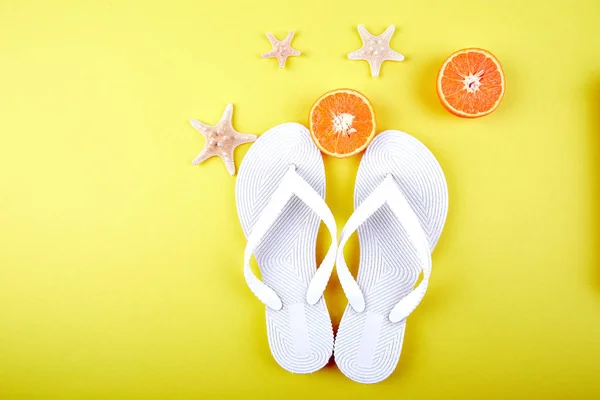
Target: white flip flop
(401, 202)
(280, 200)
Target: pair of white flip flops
(401, 202)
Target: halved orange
(342, 122)
(471, 83)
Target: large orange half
(342, 122)
(471, 83)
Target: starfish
(221, 140)
(281, 49)
(376, 49)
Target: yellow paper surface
(121, 263)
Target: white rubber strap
(291, 184)
(387, 192)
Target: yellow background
(121, 263)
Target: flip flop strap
(386, 193)
(290, 185)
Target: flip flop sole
(300, 335)
(368, 345)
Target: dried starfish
(221, 140)
(281, 49)
(376, 49)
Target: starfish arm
(227, 114)
(387, 35)
(282, 60)
(203, 156)
(357, 55)
(364, 33)
(288, 38)
(242, 138)
(270, 54)
(294, 52)
(200, 127)
(229, 164)
(272, 38)
(375, 67)
(395, 56)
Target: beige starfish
(221, 140)
(376, 49)
(281, 49)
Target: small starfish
(376, 49)
(221, 140)
(281, 49)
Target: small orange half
(471, 83)
(342, 122)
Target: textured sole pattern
(300, 336)
(368, 345)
